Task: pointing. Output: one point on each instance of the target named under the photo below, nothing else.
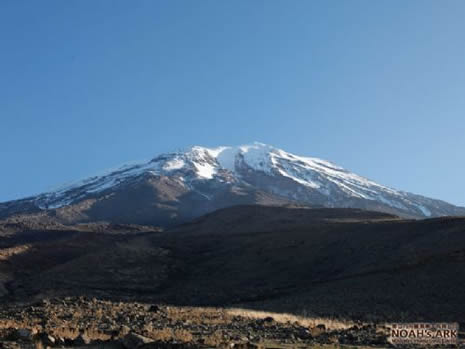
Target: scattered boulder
(60, 341)
(134, 340)
(154, 309)
(51, 340)
(25, 333)
(318, 330)
(48, 339)
(268, 319)
(124, 330)
(82, 339)
(247, 345)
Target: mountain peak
(225, 175)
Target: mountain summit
(179, 186)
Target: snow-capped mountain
(178, 186)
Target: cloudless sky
(377, 87)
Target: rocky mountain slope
(176, 187)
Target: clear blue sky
(375, 86)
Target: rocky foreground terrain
(245, 277)
(82, 321)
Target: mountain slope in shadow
(338, 262)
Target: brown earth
(352, 265)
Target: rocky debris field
(77, 322)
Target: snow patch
(226, 158)
(174, 164)
(205, 170)
(424, 210)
